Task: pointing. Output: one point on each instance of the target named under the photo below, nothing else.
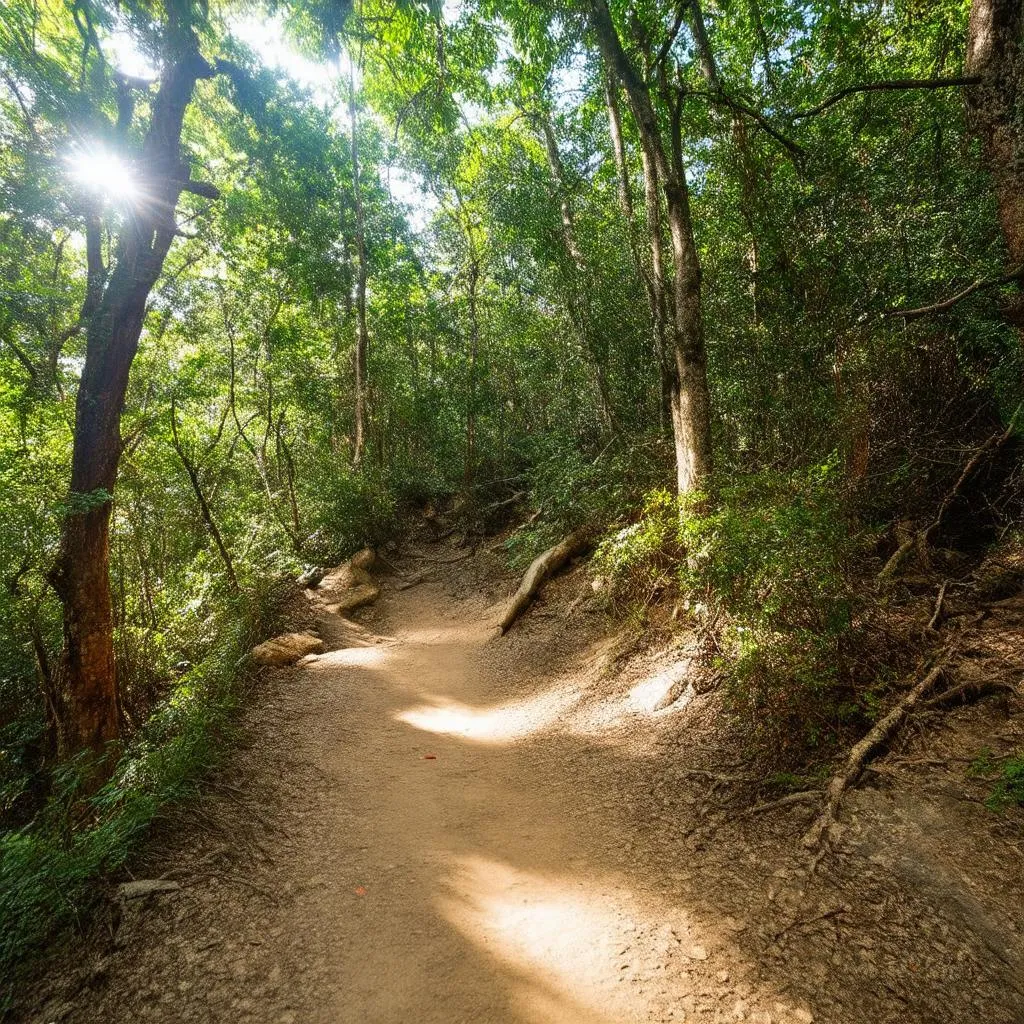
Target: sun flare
(104, 173)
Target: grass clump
(1007, 777)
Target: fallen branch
(921, 539)
(968, 691)
(541, 568)
(863, 752)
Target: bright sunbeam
(104, 173)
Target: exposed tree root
(863, 752)
(804, 797)
(936, 620)
(541, 568)
(968, 691)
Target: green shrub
(346, 511)
(765, 562)
(48, 868)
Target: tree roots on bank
(542, 567)
(863, 752)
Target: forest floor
(432, 824)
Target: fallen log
(542, 567)
(863, 752)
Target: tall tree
(690, 396)
(85, 697)
(362, 335)
(995, 53)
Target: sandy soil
(432, 825)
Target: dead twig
(921, 539)
(968, 691)
(803, 922)
(981, 285)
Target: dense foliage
(472, 175)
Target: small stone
(145, 887)
(697, 953)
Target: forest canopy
(733, 286)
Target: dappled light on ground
(355, 657)
(502, 724)
(579, 949)
(601, 710)
(651, 694)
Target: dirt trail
(430, 825)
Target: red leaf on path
(359, 890)
(430, 757)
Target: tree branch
(981, 285)
(894, 85)
(199, 188)
(721, 98)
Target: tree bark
(995, 54)
(362, 336)
(652, 275)
(87, 704)
(691, 403)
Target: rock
(311, 577)
(355, 597)
(287, 649)
(697, 953)
(365, 559)
(145, 887)
(349, 586)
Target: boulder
(365, 559)
(355, 597)
(287, 649)
(350, 585)
(311, 577)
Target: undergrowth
(763, 567)
(1006, 775)
(50, 866)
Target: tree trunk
(995, 52)
(86, 699)
(361, 332)
(691, 403)
(192, 470)
(474, 349)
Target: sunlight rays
(104, 173)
